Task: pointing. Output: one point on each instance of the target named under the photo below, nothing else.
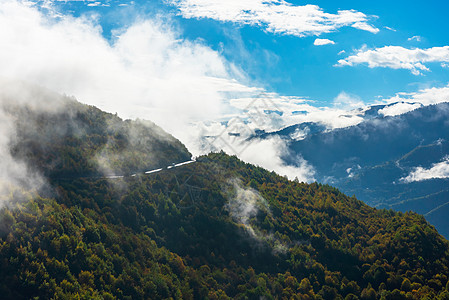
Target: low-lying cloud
(238, 139)
(14, 175)
(244, 204)
(425, 96)
(399, 108)
(267, 153)
(437, 171)
(18, 180)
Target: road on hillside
(153, 171)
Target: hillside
(72, 140)
(217, 228)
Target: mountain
(304, 129)
(382, 110)
(296, 132)
(78, 140)
(375, 160)
(217, 228)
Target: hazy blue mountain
(307, 128)
(370, 159)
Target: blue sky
(292, 65)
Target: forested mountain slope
(79, 140)
(217, 228)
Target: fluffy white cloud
(438, 170)
(424, 96)
(404, 102)
(397, 57)
(268, 152)
(321, 42)
(235, 139)
(399, 108)
(277, 16)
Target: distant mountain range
(301, 130)
(397, 161)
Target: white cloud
(424, 96)
(416, 38)
(237, 138)
(17, 179)
(439, 170)
(397, 57)
(445, 65)
(404, 102)
(321, 42)
(89, 3)
(243, 205)
(94, 4)
(300, 134)
(277, 16)
(346, 101)
(268, 152)
(14, 175)
(399, 108)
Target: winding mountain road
(152, 171)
